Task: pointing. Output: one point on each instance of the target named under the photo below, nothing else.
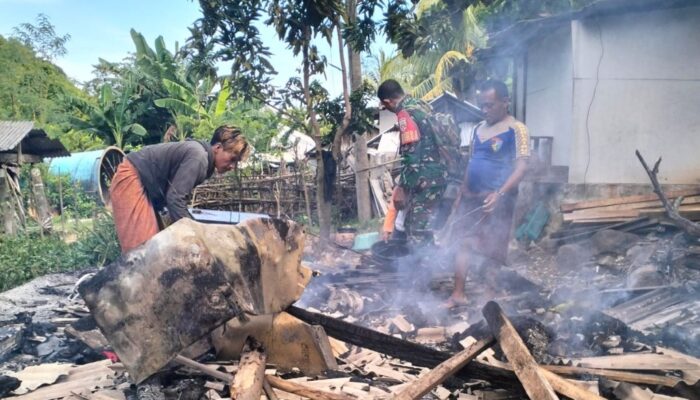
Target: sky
(100, 29)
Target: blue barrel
(93, 170)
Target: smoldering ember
(505, 207)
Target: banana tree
(109, 118)
(189, 108)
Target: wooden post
(248, 382)
(7, 204)
(60, 200)
(42, 205)
(437, 375)
(528, 372)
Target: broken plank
(439, 374)
(304, 391)
(248, 382)
(525, 367)
(203, 368)
(93, 339)
(323, 346)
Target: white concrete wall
(647, 97)
(548, 103)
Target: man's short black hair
(498, 86)
(389, 89)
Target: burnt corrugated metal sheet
(671, 306)
(34, 141)
(12, 132)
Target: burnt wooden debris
(348, 343)
(248, 382)
(443, 371)
(525, 367)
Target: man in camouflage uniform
(423, 173)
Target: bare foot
(454, 302)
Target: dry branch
(689, 227)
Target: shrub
(25, 257)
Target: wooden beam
(417, 354)
(248, 382)
(569, 389)
(304, 391)
(525, 367)
(623, 376)
(439, 374)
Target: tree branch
(688, 226)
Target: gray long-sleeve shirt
(169, 172)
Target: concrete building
(611, 78)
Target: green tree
(31, 88)
(110, 118)
(231, 26)
(42, 38)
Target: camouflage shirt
(421, 163)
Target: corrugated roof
(12, 132)
(34, 141)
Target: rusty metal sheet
(189, 279)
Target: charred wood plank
(417, 354)
(439, 374)
(525, 367)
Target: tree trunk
(43, 211)
(364, 204)
(323, 206)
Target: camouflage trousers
(422, 212)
